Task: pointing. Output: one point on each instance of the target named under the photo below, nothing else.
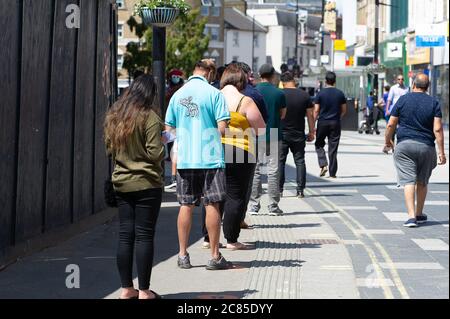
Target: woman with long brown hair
(133, 130)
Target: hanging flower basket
(159, 17)
(161, 13)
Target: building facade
(124, 36)
(245, 39)
(214, 10)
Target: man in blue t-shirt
(199, 114)
(419, 120)
(330, 107)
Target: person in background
(384, 100)
(176, 82)
(275, 101)
(253, 93)
(133, 131)
(370, 105)
(418, 117)
(216, 82)
(299, 106)
(330, 107)
(395, 93)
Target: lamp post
(159, 63)
(376, 47)
(296, 33)
(159, 18)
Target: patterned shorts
(193, 184)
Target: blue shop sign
(430, 41)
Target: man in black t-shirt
(299, 106)
(330, 107)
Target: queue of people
(224, 134)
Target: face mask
(176, 80)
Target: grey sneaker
(219, 264)
(184, 262)
(276, 212)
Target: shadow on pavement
(220, 295)
(271, 263)
(313, 213)
(289, 226)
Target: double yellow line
(356, 228)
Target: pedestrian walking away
(299, 106)
(418, 117)
(275, 101)
(133, 131)
(198, 115)
(330, 107)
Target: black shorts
(193, 184)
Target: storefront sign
(394, 50)
(430, 41)
(431, 35)
(417, 55)
(340, 45)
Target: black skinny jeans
(138, 214)
(296, 143)
(239, 178)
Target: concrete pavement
(345, 240)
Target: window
(215, 33)
(205, 11)
(206, 31)
(119, 61)
(255, 63)
(236, 38)
(120, 30)
(217, 8)
(120, 4)
(399, 15)
(205, 7)
(256, 41)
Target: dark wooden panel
(103, 83)
(36, 47)
(10, 22)
(60, 137)
(84, 112)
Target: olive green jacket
(140, 166)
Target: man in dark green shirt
(276, 106)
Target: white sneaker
(171, 186)
(277, 212)
(253, 213)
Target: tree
(185, 37)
